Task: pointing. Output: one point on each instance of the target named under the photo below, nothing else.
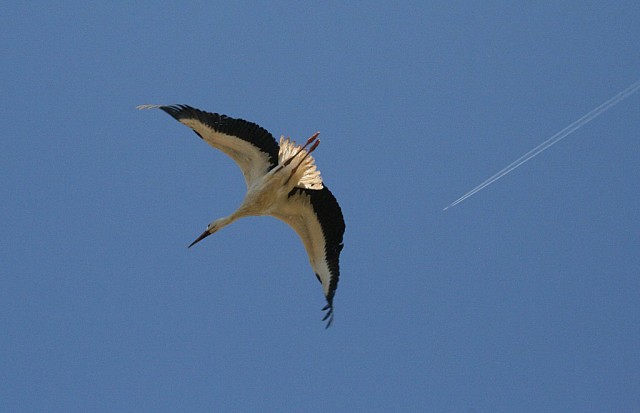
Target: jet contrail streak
(553, 140)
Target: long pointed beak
(200, 238)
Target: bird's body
(282, 181)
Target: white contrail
(553, 140)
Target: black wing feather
(331, 220)
(240, 128)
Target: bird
(282, 181)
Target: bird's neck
(224, 221)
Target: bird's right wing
(252, 147)
(317, 218)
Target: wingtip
(328, 317)
(176, 111)
(145, 107)
(329, 322)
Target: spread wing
(317, 218)
(252, 147)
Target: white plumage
(282, 181)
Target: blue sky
(525, 297)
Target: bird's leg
(313, 148)
(311, 139)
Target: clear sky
(525, 297)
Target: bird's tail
(307, 174)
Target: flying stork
(282, 181)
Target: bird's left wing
(317, 218)
(252, 147)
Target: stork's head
(211, 228)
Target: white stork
(282, 181)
